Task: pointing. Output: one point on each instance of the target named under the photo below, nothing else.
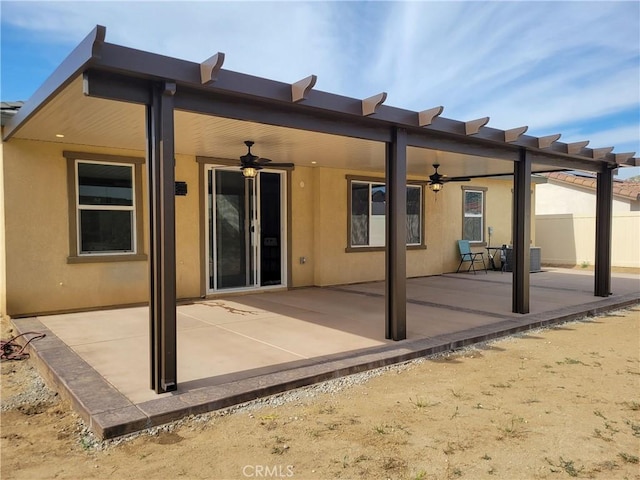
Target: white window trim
(122, 208)
(483, 191)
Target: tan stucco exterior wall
(3, 252)
(498, 205)
(188, 229)
(39, 279)
(325, 229)
(302, 226)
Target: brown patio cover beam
(114, 86)
(162, 247)
(521, 233)
(604, 219)
(233, 84)
(343, 112)
(396, 237)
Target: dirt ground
(552, 404)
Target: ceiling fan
(437, 180)
(250, 163)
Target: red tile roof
(628, 190)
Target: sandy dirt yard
(552, 404)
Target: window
(104, 208)
(473, 214)
(368, 212)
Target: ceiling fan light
(249, 172)
(436, 186)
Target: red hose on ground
(10, 350)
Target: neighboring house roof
(628, 190)
(8, 110)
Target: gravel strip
(35, 398)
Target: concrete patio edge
(110, 414)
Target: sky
(559, 67)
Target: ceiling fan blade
(249, 160)
(455, 179)
(289, 165)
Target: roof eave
(75, 63)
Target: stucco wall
(498, 204)
(3, 253)
(39, 279)
(188, 208)
(302, 226)
(331, 264)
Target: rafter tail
(370, 105)
(425, 117)
(546, 142)
(513, 134)
(473, 126)
(576, 147)
(210, 67)
(301, 88)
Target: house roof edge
(87, 50)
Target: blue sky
(558, 67)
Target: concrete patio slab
(231, 350)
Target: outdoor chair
(503, 259)
(466, 255)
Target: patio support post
(162, 248)
(521, 233)
(604, 205)
(396, 236)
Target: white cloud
(544, 64)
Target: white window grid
(131, 208)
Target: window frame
(483, 191)
(381, 181)
(75, 208)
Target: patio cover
(109, 95)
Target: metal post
(604, 205)
(396, 237)
(521, 233)
(162, 248)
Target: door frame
(209, 164)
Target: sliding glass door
(245, 234)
